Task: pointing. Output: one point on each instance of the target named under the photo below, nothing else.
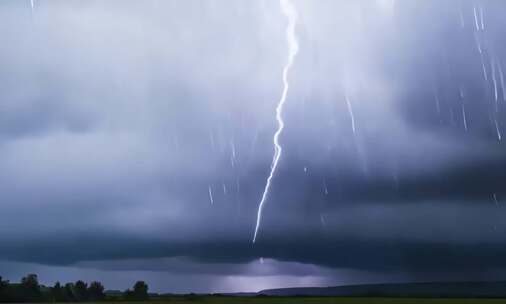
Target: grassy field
(314, 300)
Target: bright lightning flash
(290, 12)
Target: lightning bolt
(290, 12)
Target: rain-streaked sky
(136, 138)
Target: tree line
(29, 290)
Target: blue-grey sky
(120, 119)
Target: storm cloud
(119, 119)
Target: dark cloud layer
(118, 120)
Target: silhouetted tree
(96, 291)
(4, 285)
(57, 293)
(31, 281)
(68, 292)
(141, 290)
(81, 291)
(30, 289)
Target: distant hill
(447, 289)
(238, 294)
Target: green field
(314, 300)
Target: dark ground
(316, 300)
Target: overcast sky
(136, 139)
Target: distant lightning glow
(290, 12)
